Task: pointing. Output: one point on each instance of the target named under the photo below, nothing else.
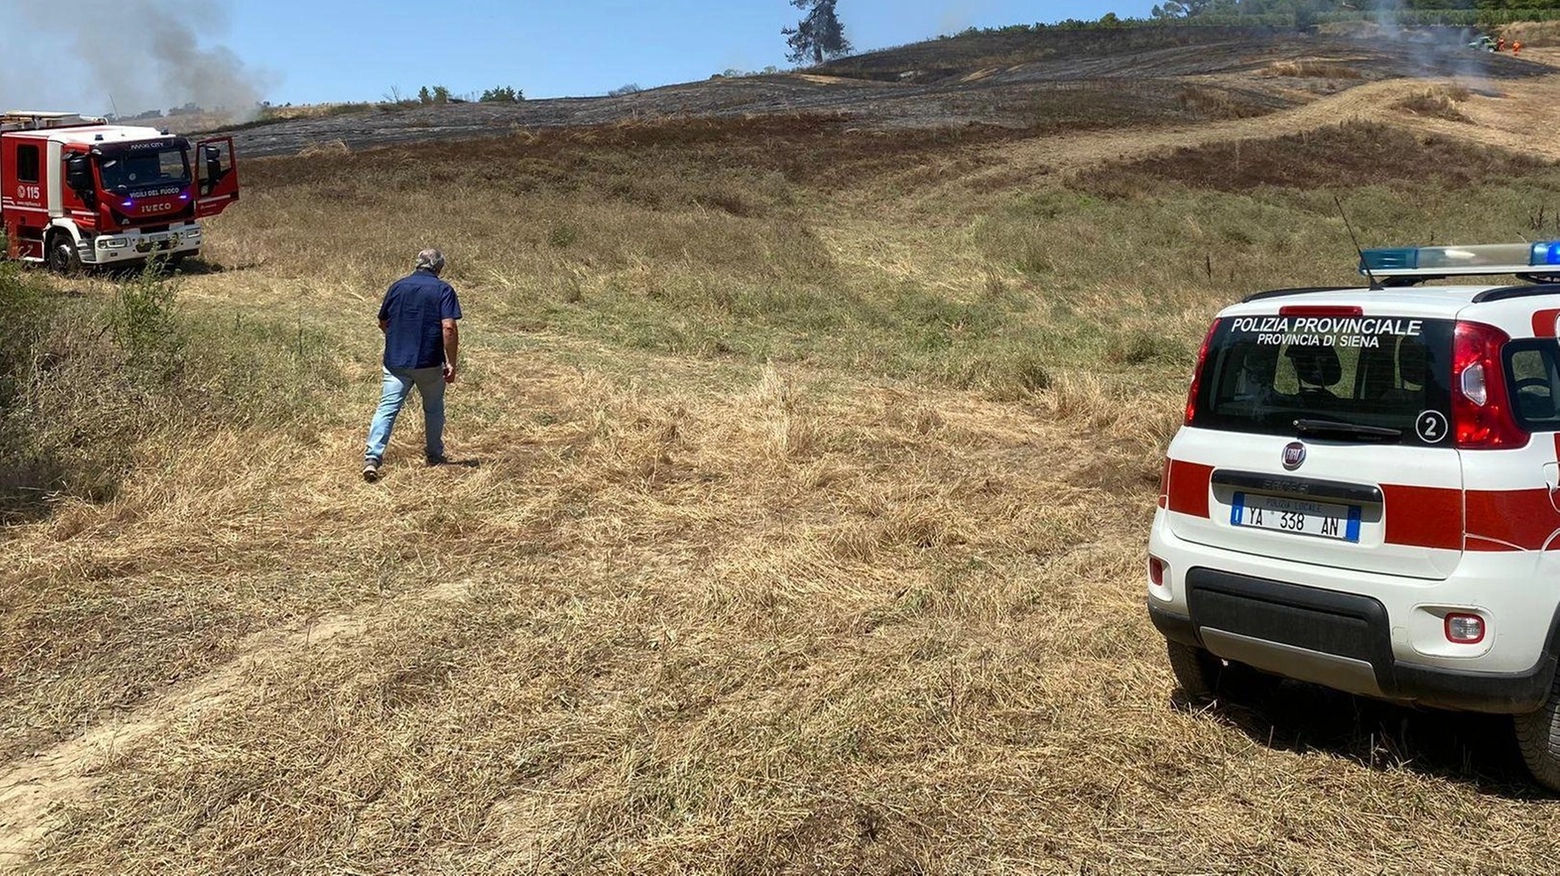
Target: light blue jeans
(397, 386)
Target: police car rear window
(1265, 372)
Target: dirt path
(1069, 152)
(1506, 120)
(33, 792)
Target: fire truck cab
(76, 191)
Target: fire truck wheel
(63, 258)
(1202, 676)
(1538, 735)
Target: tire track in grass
(35, 791)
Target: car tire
(62, 255)
(1196, 671)
(1203, 676)
(1538, 736)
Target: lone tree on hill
(817, 36)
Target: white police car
(1366, 492)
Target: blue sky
(354, 50)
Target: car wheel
(1203, 676)
(1538, 735)
(1195, 670)
(63, 258)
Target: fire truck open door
(217, 176)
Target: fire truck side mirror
(78, 175)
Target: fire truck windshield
(139, 166)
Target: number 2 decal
(1431, 427)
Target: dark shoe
(441, 459)
(371, 470)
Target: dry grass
(1312, 68)
(1533, 33)
(798, 530)
(1438, 102)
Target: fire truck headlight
(114, 243)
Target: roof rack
(1534, 262)
(27, 120)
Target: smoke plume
(1435, 51)
(138, 55)
(958, 15)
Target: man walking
(422, 342)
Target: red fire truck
(76, 191)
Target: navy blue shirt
(416, 308)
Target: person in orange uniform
(1516, 47)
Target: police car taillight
(1202, 359)
(1481, 412)
(1464, 629)
(1156, 571)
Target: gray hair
(430, 260)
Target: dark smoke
(144, 54)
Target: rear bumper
(1340, 640)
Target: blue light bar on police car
(1447, 261)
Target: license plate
(1300, 516)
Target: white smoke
(136, 55)
(1436, 51)
(959, 15)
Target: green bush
(87, 385)
(143, 321)
(502, 94)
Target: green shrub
(87, 385)
(502, 94)
(144, 324)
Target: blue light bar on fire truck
(1448, 261)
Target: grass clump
(73, 398)
(1439, 102)
(1312, 68)
(87, 385)
(1145, 346)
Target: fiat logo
(1294, 455)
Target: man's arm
(384, 308)
(451, 348)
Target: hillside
(804, 465)
(1048, 81)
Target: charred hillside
(1044, 81)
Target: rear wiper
(1352, 430)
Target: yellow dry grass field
(803, 479)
